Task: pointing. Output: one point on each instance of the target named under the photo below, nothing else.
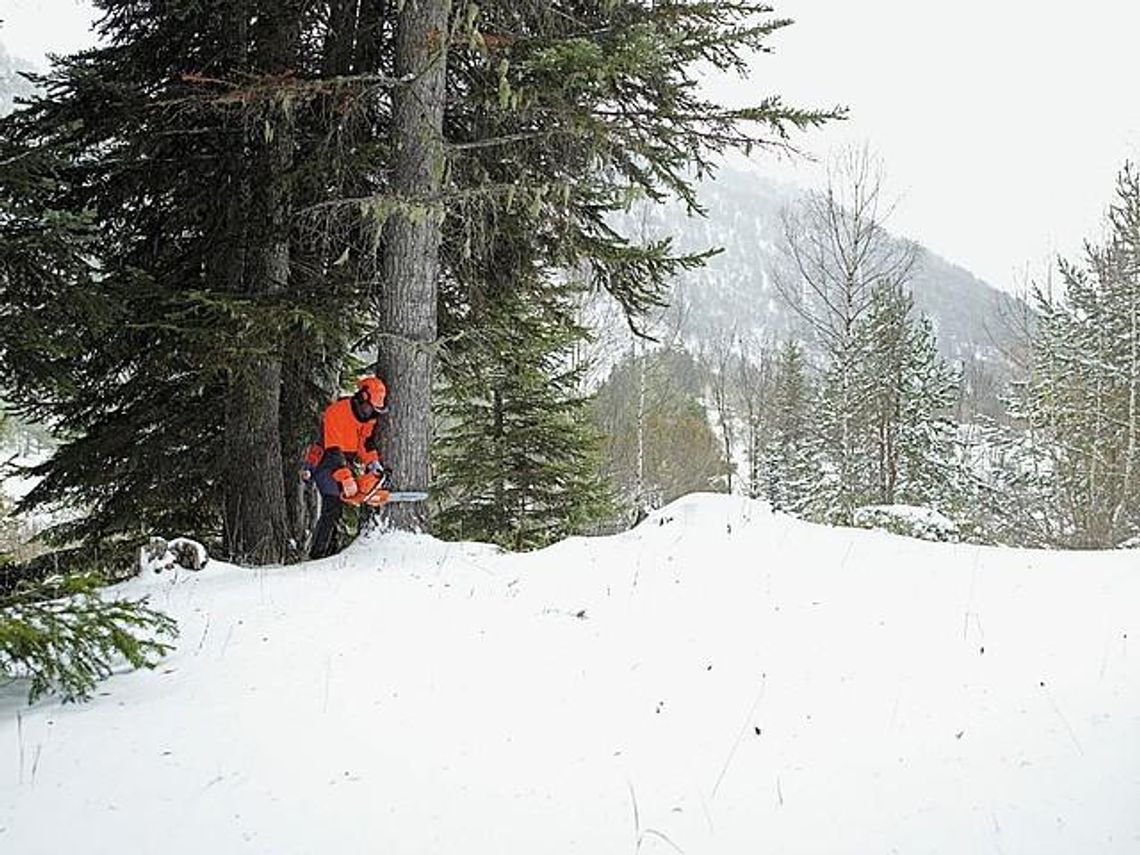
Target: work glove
(348, 488)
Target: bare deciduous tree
(837, 253)
(837, 249)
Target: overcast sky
(1002, 123)
(29, 29)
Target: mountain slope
(720, 679)
(12, 85)
(735, 292)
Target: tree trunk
(341, 37)
(372, 33)
(256, 527)
(1132, 448)
(411, 248)
(639, 482)
(307, 366)
(500, 477)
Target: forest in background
(845, 409)
(215, 221)
(217, 218)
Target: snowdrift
(722, 679)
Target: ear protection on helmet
(374, 390)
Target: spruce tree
(567, 117)
(518, 460)
(910, 393)
(131, 397)
(1083, 396)
(61, 636)
(188, 141)
(253, 173)
(560, 117)
(791, 460)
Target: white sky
(29, 29)
(1002, 123)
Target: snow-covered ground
(15, 454)
(25, 449)
(719, 680)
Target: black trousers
(324, 536)
(325, 533)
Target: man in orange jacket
(349, 436)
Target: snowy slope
(720, 680)
(735, 292)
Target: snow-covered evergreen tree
(1084, 391)
(838, 253)
(910, 391)
(791, 460)
(1009, 486)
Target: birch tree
(836, 253)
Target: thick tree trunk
(256, 527)
(411, 248)
(305, 367)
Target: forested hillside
(224, 215)
(734, 293)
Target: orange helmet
(374, 389)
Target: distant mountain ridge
(734, 292)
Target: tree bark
(639, 482)
(255, 527)
(408, 322)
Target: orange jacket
(342, 432)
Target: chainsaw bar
(406, 496)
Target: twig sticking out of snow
(743, 730)
(649, 832)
